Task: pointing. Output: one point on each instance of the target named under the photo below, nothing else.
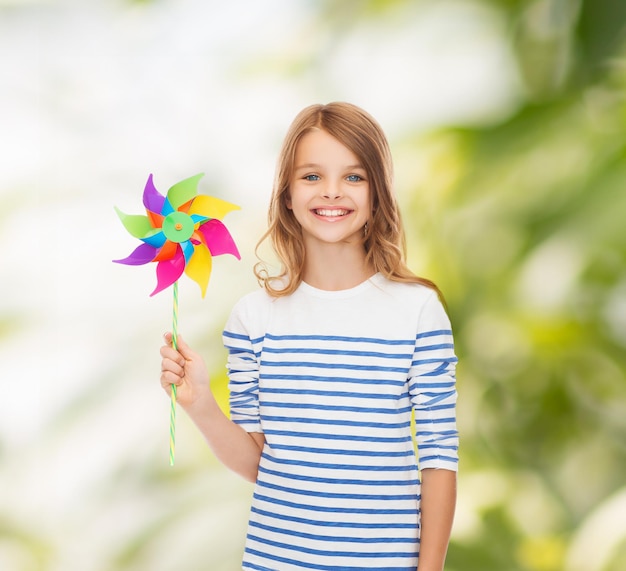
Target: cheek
(367, 201)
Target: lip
(331, 213)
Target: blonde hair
(384, 239)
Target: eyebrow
(316, 166)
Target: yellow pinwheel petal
(211, 207)
(198, 267)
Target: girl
(327, 363)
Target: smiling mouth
(331, 213)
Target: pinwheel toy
(181, 231)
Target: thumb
(184, 349)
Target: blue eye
(311, 177)
(353, 178)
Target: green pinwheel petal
(183, 191)
(137, 225)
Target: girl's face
(329, 192)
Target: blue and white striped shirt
(332, 379)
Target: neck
(336, 267)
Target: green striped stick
(173, 391)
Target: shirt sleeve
(243, 372)
(432, 388)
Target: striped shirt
(332, 378)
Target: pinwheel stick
(181, 232)
(173, 391)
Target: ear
(288, 201)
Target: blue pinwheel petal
(167, 208)
(188, 250)
(199, 218)
(156, 240)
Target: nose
(332, 190)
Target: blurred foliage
(531, 249)
(521, 223)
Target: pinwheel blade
(168, 272)
(199, 267)
(188, 250)
(198, 218)
(167, 252)
(153, 200)
(155, 218)
(183, 191)
(137, 225)
(181, 231)
(141, 255)
(211, 207)
(218, 238)
(156, 238)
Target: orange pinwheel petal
(155, 219)
(167, 251)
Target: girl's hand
(185, 369)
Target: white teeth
(331, 212)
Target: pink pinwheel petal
(153, 200)
(168, 272)
(141, 255)
(218, 238)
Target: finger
(165, 382)
(169, 339)
(167, 387)
(184, 349)
(168, 353)
(173, 365)
(168, 378)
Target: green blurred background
(507, 121)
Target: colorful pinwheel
(182, 231)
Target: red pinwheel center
(178, 227)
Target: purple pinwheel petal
(218, 238)
(168, 271)
(141, 255)
(153, 200)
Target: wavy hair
(383, 240)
